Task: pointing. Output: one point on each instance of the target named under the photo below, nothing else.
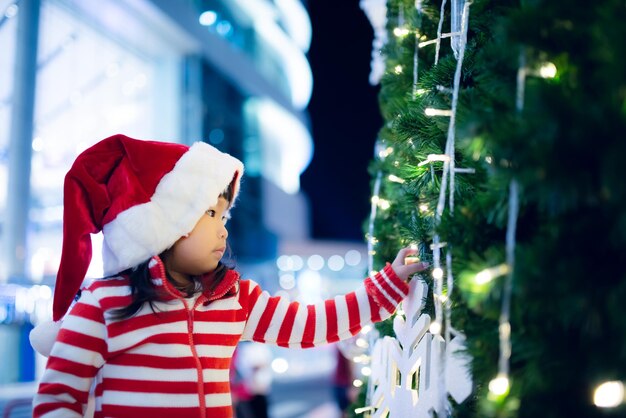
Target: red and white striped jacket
(175, 362)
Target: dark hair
(143, 291)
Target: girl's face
(201, 251)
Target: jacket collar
(229, 285)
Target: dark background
(345, 120)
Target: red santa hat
(142, 195)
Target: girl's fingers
(403, 253)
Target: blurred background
(238, 74)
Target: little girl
(155, 337)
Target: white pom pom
(43, 336)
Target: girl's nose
(224, 232)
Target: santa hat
(142, 195)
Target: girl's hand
(404, 271)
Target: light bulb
(435, 328)
(500, 385)
(366, 329)
(437, 273)
(360, 342)
(609, 394)
(487, 275)
(548, 70)
(395, 179)
(401, 32)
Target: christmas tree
(500, 158)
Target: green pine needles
(565, 148)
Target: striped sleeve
(78, 353)
(274, 320)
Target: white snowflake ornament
(407, 378)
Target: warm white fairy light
(364, 409)
(357, 383)
(609, 394)
(361, 342)
(423, 207)
(385, 153)
(366, 371)
(384, 204)
(401, 31)
(487, 275)
(395, 179)
(397, 69)
(429, 111)
(435, 328)
(434, 157)
(438, 273)
(361, 359)
(500, 385)
(547, 70)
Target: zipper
(196, 358)
(192, 345)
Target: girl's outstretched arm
(77, 355)
(274, 320)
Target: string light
(437, 325)
(609, 394)
(398, 69)
(435, 328)
(360, 342)
(400, 32)
(487, 275)
(434, 157)
(357, 383)
(384, 204)
(430, 111)
(500, 385)
(437, 273)
(364, 409)
(548, 70)
(395, 179)
(385, 153)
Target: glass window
(90, 85)
(8, 32)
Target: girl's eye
(210, 212)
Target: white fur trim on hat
(181, 197)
